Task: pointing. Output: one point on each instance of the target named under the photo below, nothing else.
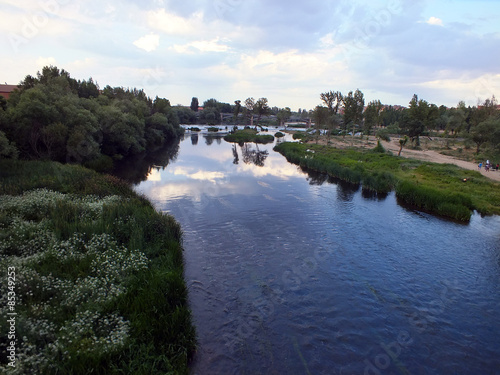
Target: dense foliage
(55, 117)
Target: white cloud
(435, 21)
(173, 24)
(148, 43)
(46, 61)
(202, 46)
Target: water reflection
(255, 156)
(194, 139)
(316, 178)
(137, 168)
(235, 154)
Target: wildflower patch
(64, 287)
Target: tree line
(478, 124)
(55, 117)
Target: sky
(288, 51)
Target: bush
(379, 148)
(383, 134)
(248, 135)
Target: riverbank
(98, 284)
(431, 151)
(441, 189)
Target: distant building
(5, 90)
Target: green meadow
(98, 275)
(442, 189)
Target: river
(291, 273)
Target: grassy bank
(248, 135)
(442, 189)
(98, 275)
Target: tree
(484, 132)
(284, 115)
(402, 142)
(333, 101)
(261, 108)
(161, 105)
(8, 149)
(373, 115)
(194, 104)
(354, 104)
(249, 109)
(321, 116)
(237, 110)
(418, 113)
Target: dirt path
(436, 157)
(425, 155)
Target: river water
(290, 273)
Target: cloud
(435, 21)
(46, 61)
(172, 24)
(148, 43)
(201, 46)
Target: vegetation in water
(442, 189)
(99, 275)
(248, 136)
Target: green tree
(54, 137)
(161, 105)
(354, 104)
(321, 116)
(8, 150)
(210, 115)
(237, 110)
(417, 117)
(333, 100)
(194, 104)
(249, 109)
(373, 115)
(261, 108)
(485, 132)
(284, 115)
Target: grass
(248, 135)
(442, 189)
(99, 275)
